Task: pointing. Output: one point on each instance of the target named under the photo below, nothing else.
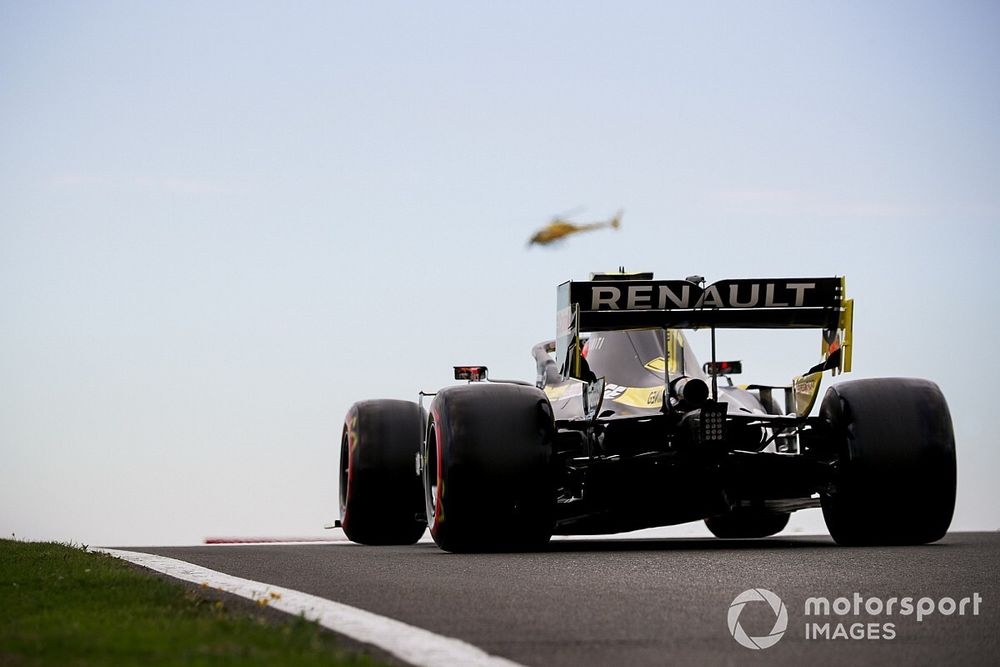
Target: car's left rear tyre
(486, 468)
(381, 498)
(742, 523)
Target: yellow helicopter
(560, 228)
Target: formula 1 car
(623, 429)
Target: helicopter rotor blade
(570, 213)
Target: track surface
(647, 602)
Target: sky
(223, 223)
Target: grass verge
(63, 606)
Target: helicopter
(559, 228)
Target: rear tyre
(896, 471)
(381, 498)
(743, 523)
(486, 468)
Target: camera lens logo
(780, 622)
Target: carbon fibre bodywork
(644, 457)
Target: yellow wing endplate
(836, 356)
(847, 326)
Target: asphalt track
(650, 602)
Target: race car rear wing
(624, 303)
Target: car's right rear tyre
(896, 473)
(486, 468)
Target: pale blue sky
(222, 223)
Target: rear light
(712, 427)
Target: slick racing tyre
(381, 498)
(747, 523)
(486, 468)
(895, 477)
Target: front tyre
(486, 467)
(896, 472)
(381, 499)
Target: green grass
(63, 606)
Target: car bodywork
(645, 437)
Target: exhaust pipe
(689, 390)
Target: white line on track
(408, 643)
